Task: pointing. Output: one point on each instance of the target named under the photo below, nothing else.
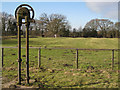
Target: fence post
(2, 56)
(39, 57)
(77, 58)
(112, 59)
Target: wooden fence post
(77, 58)
(112, 59)
(2, 55)
(39, 57)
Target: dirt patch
(49, 58)
(66, 65)
(8, 84)
(23, 55)
(13, 54)
(51, 71)
(90, 67)
(35, 56)
(10, 69)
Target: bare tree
(102, 25)
(53, 24)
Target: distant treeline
(58, 25)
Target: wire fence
(63, 57)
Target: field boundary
(77, 54)
(64, 48)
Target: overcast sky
(77, 13)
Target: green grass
(98, 43)
(58, 67)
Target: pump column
(19, 23)
(27, 23)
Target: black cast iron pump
(23, 13)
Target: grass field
(98, 43)
(58, 67)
